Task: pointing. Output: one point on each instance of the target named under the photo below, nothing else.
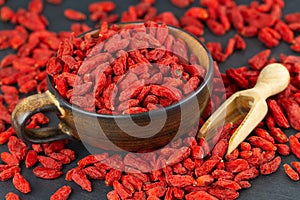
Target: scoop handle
(273, 79)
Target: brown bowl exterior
(85, 125)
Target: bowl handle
(44, 102)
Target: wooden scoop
(248, 106)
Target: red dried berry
(74, 15)
(62, 193)
(31, 159)
(21, 183)
(290, 172)
(11, 196)
(81, 179)
(46, 173)
(9, 173)
(270, 167)
(49, 163)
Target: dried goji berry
(6, 13)
(62, 193)
(37, 148)
(264, 134)
(217, 174)
(189, 164)
(292, 109)
(270, 121)
(113, 195)
(9, 158)
(292, 17)
(17, 147)
(286, 33)
(74, 15)
(11, 196)
(279, 135)
(249, 31)
(35, 6)
(245, 146)
(247, 174)
(220, 148)
(121, 190)
(49, 162)
(4, 136)
(270, 167)
(95, 173)
(283, 149)
(261, 143)
(215, 27)
(236, 18)
(204, 180)
(81, 179)
(239, 42)
(295, 26)
(21, 183)
(112, 175)
(296, 165)
(31, 158)
(278, 114)
(135, 182)
(258, 61)
(229, 184)
(68, 152)
(46, 173)
(245, 154)
(181, 3)
(207, 166)
(106, 6)
(60, 157)
(269, 37)
(237, 165)
(181, 180)
(197, 12)
(290, 172)
(230, 46)
(233, 155)
(237, 78)
(9, 173)
(91, 159)
(295, 145)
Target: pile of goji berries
(186, 168)
(151, 69)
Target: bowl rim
(208, 77)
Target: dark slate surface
(277, 186)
